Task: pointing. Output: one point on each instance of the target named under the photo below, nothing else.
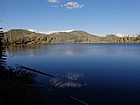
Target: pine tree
(2, 50)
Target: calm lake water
(98, 74)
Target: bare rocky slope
(20, 36)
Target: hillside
(20, 36)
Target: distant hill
(20, 36)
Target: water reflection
(68, 80)
(71, 49)
(74, 76)
(110, 70)
(39, 50)
(22, 50)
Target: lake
(98, 74)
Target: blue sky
(93, 16)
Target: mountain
(20, 36)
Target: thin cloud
(73, 5)
(54, 6)
(53, 1)
(69, 5)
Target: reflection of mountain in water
(22, 50)
(16, 48)
(37, 50)
(69, 49)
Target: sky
(94, 16)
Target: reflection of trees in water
(16, 48)
(68, 49)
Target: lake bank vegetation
(20, 36)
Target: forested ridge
(20, 36)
